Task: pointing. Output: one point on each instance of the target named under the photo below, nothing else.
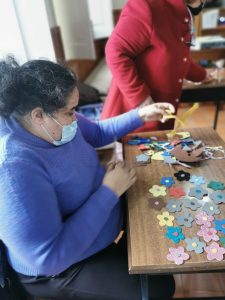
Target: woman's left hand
(156, 112)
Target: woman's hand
(156, 112)
(119, 177)
(210, 76)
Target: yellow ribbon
(180, 121)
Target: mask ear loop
(55, 120)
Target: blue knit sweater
(54, 210)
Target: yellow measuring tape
(180, 121)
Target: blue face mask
(68, 132)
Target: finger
(166, 106)
(110, 165)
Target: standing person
(60, 210)
(148, 54)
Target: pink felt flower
(203, 219)
(214, 251)
(177, 192)
(177, 255)
(208, 234)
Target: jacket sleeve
(32, 226)
(130, 38)
(195, 73)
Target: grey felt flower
(211, 208)
(218, 197)
(185, 219)
(193, 204)
(198, 192)
(174, 205)
(194, 244)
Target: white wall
(73, 18)
(118, 4)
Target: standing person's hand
(156, 112)
(147, 101)
(210, 76)
(119, 177)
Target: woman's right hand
(119, 177)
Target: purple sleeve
(107, 131)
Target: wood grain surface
(147, 244)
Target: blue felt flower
(193, 204)
(198, 192)
(197, 180)
(218, 197)
(185, 219)
(175, 234)
(167, 181)
(211, 209)
(194, 244)
(220, 225)
(142, 158)
(174, 205)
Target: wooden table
(214, 91)
(147, 245)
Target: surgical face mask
(196, 10)
(68, 132)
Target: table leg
(144, 287)
(216, 114)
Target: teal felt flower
(216, 185)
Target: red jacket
(148, 53)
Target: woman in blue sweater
(60, 210)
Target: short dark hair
(37, 83)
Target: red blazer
(148, 53)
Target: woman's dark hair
(37, 83)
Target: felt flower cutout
(166, 153)
(165, 219)
(198, 192)
(208, 234)
(216, 185)
(142, 158)
(157, 156)
(193, 204)
(157, 203)
(143, 147)
(220, 225)
(214, 251)
(169, 160)
(175, 234)
(218, 197)
(185, 219)
(222, 240)
(149, 152)
(174, 205)
(183, 135)
(182, 175)
(203, 219)
(158, 190)
(211, 209)
(167, 181)
(177, 192)
(194, 244)
(197, 180)
(177, 255)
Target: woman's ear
(37, 115)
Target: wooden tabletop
(147, 244)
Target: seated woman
(60, 210)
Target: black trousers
(103, 276)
